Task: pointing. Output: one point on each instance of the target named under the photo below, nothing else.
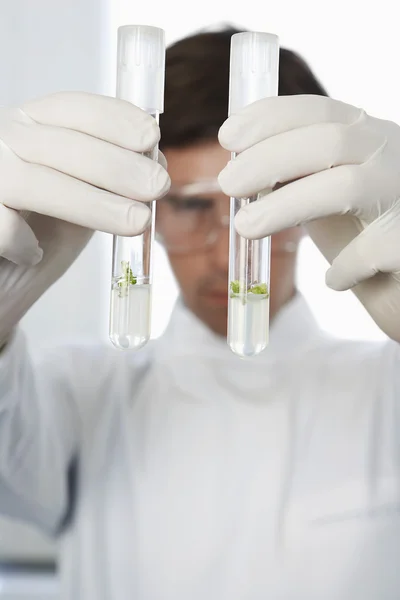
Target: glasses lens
(189, 221)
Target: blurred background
(52, 45)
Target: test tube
(254, 65)
(140, 80)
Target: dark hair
(197, 83)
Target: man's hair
(197, 84)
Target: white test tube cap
(254, 68)
(141, 66)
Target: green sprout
(126, 279)
(260, 288)
(235, 287)
(257, 288)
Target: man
(193, 219)
(182, 471)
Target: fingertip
(24, 257)
(18, 243)
(150, 134)
(242, 129)
(335, 282)
(161, 183)
(229, 134)
(330, 279)
(244, 225)
(162, 160)
(138, 219)
(141, 132)
(224, 180)
(36, 257)
(236, 181)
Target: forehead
(200, 161)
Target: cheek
(292, 235)
(188, 269)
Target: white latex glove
(70, 163)
(342, 169)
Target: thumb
(17, 240)
(376, 249)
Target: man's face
(193, 222)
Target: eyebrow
(188, 199)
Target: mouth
(216, 297)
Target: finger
(89, 159)
(376, 249)
(162, 160)
(272, 116)
(295, 154)
(331, 192)
(48, 192)
(109, 119)
(17, 240)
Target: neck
(280, 298)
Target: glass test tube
(140, 80)
(254, 66)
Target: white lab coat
(201, 476)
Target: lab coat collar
(193, 363)
(293, 329)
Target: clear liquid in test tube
(254, 70)
(140, 80)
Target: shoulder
(339, 353)
(91, 374)
(345, 365)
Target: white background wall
(48, 45)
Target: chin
(216, 320)
(213, 315)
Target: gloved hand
(342, 170)
(70, 163)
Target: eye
(192, 203)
